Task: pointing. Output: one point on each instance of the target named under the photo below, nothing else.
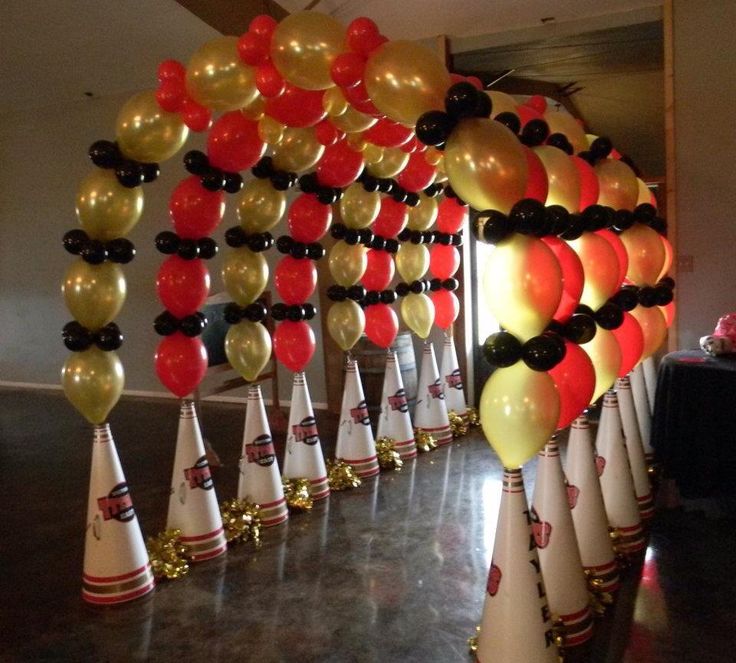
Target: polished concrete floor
(393, 571)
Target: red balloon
(381, 325)
(475, 82)
(263, 25)
(538, 103)
(295, 279)
(197, 117)
(171, 94)
(618, 246)
(182, 285)
(359, 98)
(451, 215)
(668, 311)
(380, 270)
(631, 339)
(171, 70)
(347, 69)
(297, 107)
(253, 48)
(444, 261)
(340, 165)
(233, 143)
(180, 363)
(413, 145)
(418, 174)
(388, 133)
(537, 184)
(308, 218)
(573, 277)
(195, 211)
(327, 133)
(574, 377)
(446, 308)
(590, 187)
(269, 81)
(527, 114)
(293, 344)
(363, 35)
(392, 218)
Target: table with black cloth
(694, 423)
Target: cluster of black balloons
(430, 237)
(660, 294)
(339, 293)
(462, 101)
(426, 285)
(373, 297)
(255, 312)
(289, 246)
(130, 173)
(212, 178)
(364, 236)
(295, 312)
(388, 186)
(257, 242)
(167, 324)
(169, 243)
(78, 338)
(327, 195)
(540, 353)
(281, 180)
(94, 251)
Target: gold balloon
(417, 311)
(669, 255)
(372, 154)
(245, 275)
(303, 47)
(405, 79)
(248, 348)
(93, 381)
(519, 409)
(345, 322)
(646, 253)
(357, 141)
(645, 195)
(422, 216)
(433, 156)
(105, 208)
(605, 353)
(260, 206)
(392, 163)
(618, 184)
(522, 285)
(298, 150)
(358, 207)
(600, 266)
(564, 123)
(353, 121)
(653, 326)
(270, 131)
(502, 103)
(94, 294)
(334, 102)
(347, 263)
(146, 132)
(562, 176)
(486, 164)
(217, 77)
(412, 261)
(256, 109)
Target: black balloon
(575, 227)
(165, 324)
(315, 251)
(392, 245)
(263, 169)
(207, 248)
(402, 289)
(196, 162)
(647, 296)
(560, 141)
(609, 316)
(594, 218)
(77, 338)
(378, 242)
(337, 293)
(434, 128)
(233, 313)
(601, 147)
(129, 174)
(295, 313)
(120, 250)
(257, 242)
(484, 105)
(281, 180)
(93, 252)
(412, 199)
(256, 311)
(109, 338)
(667, 280)
(461, 100)
(233, 182)
(491, 226)
(298, 250)
(388, 297)
(310, 310)
(192, 325)
(284, 244)
(370, 183)
(308, 183)
(188, 249)
(326, 196)
(372, 297)
(235, 237)
(558, 219)
(167, 242)
(502, 349)
(417, 287)
(104, 154)
(623, 219)
(278, 311)
(213, 179)
(510, 121)
(352, 237)
(627, 298)
(150, 171)
(534, 133)
(527, 215)
(75, 240)
(356, 292)
(580, 328)
(663, 294)
(451, 284)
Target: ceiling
(54, 53)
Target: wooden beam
(232, 17)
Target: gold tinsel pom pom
(341, 476)
(388, 457)
(473, 642)
(458, 426)
(425, 441)
(296, 492)
(473, 417)
(168, 555)
(241, 520)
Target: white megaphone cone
(562, 568)
(355, 443)
(430, 412)
(587, 508)
(643, 412)
(617, 484)
(116, 567)
(303, 458)
(650, 380)
(260, 480)
(394, 420)
(452, 380)
(516, 623)
(634, 449)
(193, 506)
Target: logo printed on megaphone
(600, 464)
(435, 389)
(573, 492)
(398, 401)
(540, 529)
(199, 476)
(306, 431)
(118, 504)
(454, 380)
(494, 579)
(360, 414)
(261, 451)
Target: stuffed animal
(723, 339)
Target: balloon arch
(403, 153)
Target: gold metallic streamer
(296, 492)
(458, 425)
(473, 417)
(473, 642)
(425, 441)
(241, 520)
(168, 555)
(341, 476)
(388, 457)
